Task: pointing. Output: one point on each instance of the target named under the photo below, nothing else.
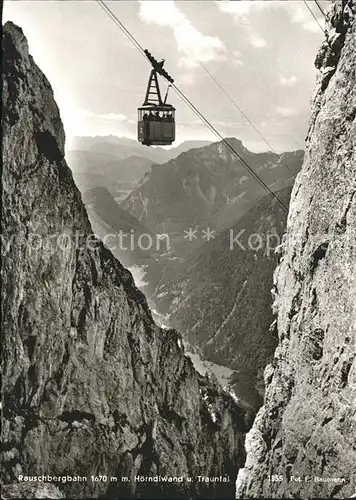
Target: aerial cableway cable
(321, 10)
(229, 147)
(121, 26)
(234, 103)
(197, 112)
(314, 16)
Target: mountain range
(116, 163)
(220, 299)
(206, 188)
(122, 147)
(93, 169)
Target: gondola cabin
(156, 125)
(156, 118)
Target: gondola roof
(161, 107)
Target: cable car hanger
(153, 84)
(156, 118)
(158, 66)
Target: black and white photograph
(178, 249)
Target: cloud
(288, 81)
(116, 117)
(286, 112)
(241, 9)
(257, 40)
(313, 26)
(79, 121)
(237, 61)
(186, 79)
(84, 114)
(230, 125)
(300, 14)
(192, 44)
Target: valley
(212, 287)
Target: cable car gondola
(156, 118)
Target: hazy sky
(261, 52)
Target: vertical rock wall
(307, 426)
(91, 386)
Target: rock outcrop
(91, 386)
(303, 442)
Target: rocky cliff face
(306, 427)
(91, 386)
